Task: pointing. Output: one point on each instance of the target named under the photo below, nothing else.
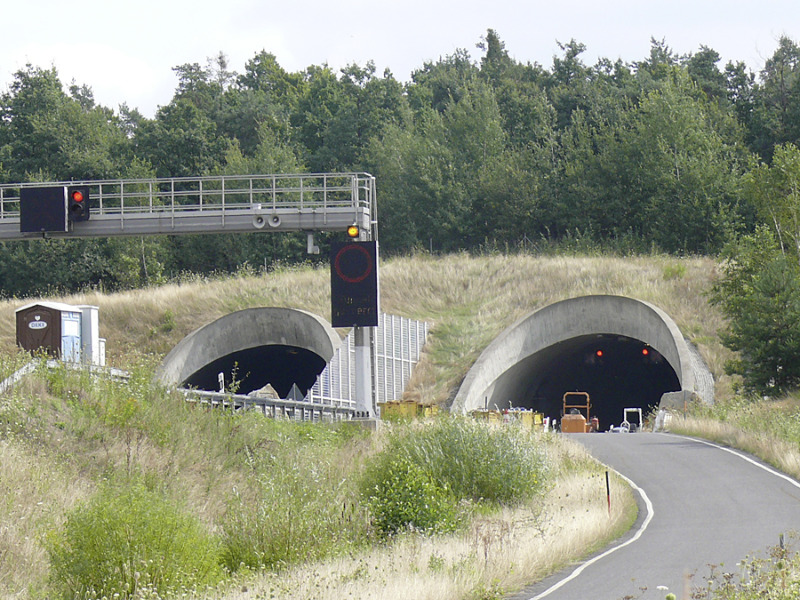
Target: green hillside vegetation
(503, 186)
(472, 153)
(89, 464)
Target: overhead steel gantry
(216, 204)
(220, 204)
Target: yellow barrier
(407, 410)
(529, 419)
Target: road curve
(699, 505)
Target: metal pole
(364, 405)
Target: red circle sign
(348, 275)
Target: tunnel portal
(245, 371)
(625, 353)
(254, 347)
(616, 371)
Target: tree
(29, 114)
(435, 174)
(271, 155)
(741, 94)
(775, 192)
(662, 63)
(48, 135)
(372, 103)
(265, 95)
(569, 86)
(759, 292)
(437, 85)
(688, 163)
(702, 68)
(264, 74)
(40, 267)
(528, 117)
(496, 62)
(777, 103)
(321, 99)
(182, 141)
(662, 173)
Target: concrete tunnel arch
(282, 347)
(643, 360)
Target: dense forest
(666, 154)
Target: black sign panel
(354, 284)
(42, 209)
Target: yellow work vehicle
(575, 417)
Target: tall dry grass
(468, 300)
(494, 556)
(768, 429)
(34, 496)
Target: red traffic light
(78, 203)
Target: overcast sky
(125, 51)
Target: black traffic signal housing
(354, 284)
(78, 202)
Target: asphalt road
(699, 505)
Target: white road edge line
(766, 468)
(636, 536)
(650, 512)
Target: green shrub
(453, 459)
(129, 539)
(501, 465)
(775, 577)
(674, 271)
(400, 494)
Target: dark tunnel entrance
(253, 368)
(618, 372)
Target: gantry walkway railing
(215, 204)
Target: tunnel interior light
(645, 351)
(599, 354)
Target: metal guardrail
(52, 364)
(215, 204)
(296, 410)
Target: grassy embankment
(62, 436)
(768, 429)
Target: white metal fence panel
(336, 384)
(397, 346)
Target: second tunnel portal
(624, 352)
